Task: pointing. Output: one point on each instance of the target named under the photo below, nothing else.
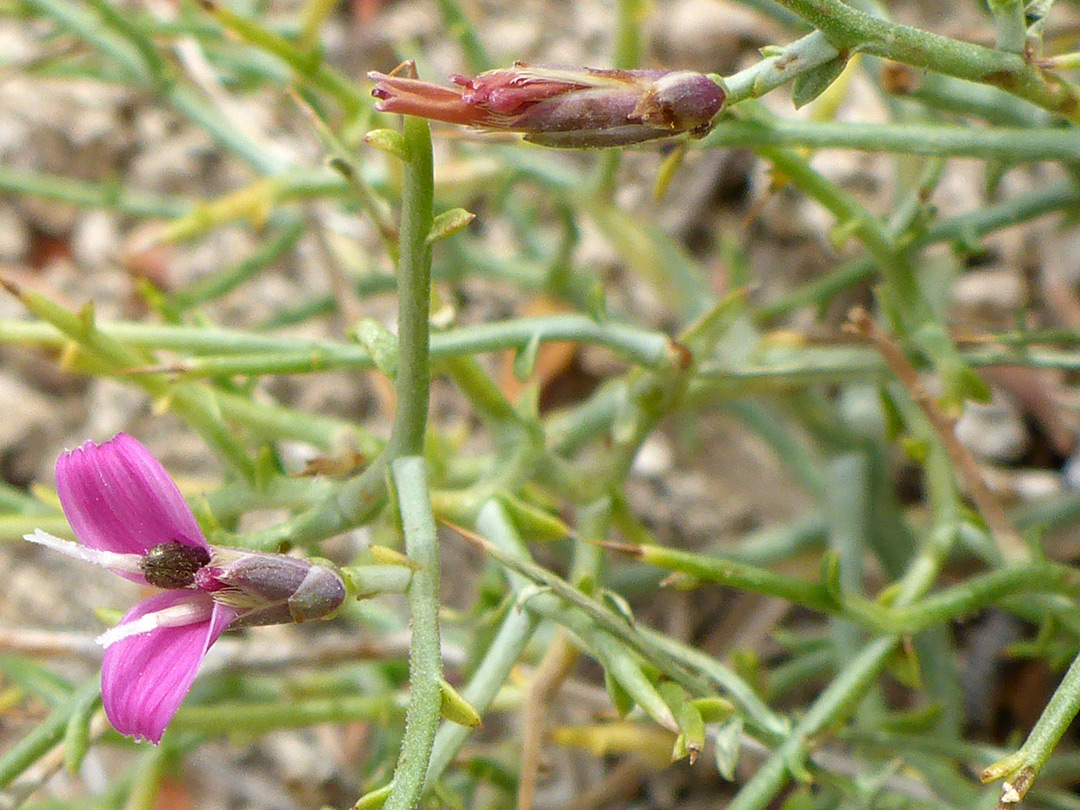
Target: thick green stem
(414, 293)
(405, 450)
(425, 661)
(850, 30)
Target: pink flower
(132, 519)
(559, 106)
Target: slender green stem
(661, 650)
(266, 354)
(965, 229)
(414, 293)
(850, 685)
(779, 68)
(242, 719)
(361, 497)
(425, 660)
(460, 27)
(45, 735)
(957, 98)
(1000, 143)
(600, 615)
(192, 402)
(219, 284)
(307, 65)
(106, 196)
(1011, 28)
(849, 29)
(490, 675)
(1021, 768)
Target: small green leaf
(342, 166)
(713, 709)
(86, 317)
(693, 731)
(388, 140)
(620, 698)
(904, 666)
(532, 521)
(384, 555)
(456, 708)
(77, 734)
(380, 343)
(728, 741)
(796, 765)
(894, 419)
(830, 575)
(266, 469)
(448, 223)
(525, 358)
(667, 171)
(373, 800)
(596, 302)
(811, 84)
(843, 232)
(617, 604)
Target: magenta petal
(118, 497)
(144, 678)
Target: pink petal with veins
(118, 497)
(144, 678)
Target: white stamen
(175, 616)
(121, 563)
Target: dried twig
(555, 666)
(1013, 547)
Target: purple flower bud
(271, 588)
(564, 107)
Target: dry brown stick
(1012, 545)
(554, 667)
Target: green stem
(1014, 145)
(45, 735)
(259, 718)
(495, 524)
(1021, 768)
(784, 66)
(215, 286)
(307, 65)
(425, 660)
(106, 196)
(414, 293)
(850, 30)
(360, 498)
(1011, 28)
(853, 682)
(233, 352)
(459, 26)
(965, 229)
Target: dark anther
(173, 565)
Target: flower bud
(564, 107)
(271, 588)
